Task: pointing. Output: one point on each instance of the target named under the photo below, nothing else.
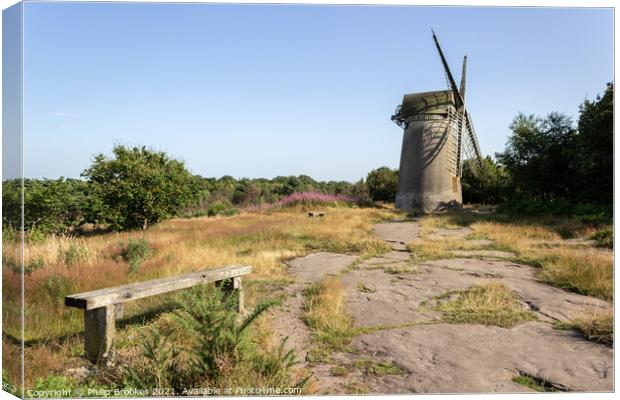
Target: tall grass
(585, 270)
(597, 326)
(262, 240)
(325, 313)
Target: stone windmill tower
(438, 137)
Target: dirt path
(429, 355)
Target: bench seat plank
(138, 290)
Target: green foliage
(604, 237)
(138, 187)
(224, 208)
(537, 384)
(209, 346)
(380, 368)
(160, 368)
(135, 253)
(9, 234)
(34, 265)
(382, 183)
(49, 205)
(489, 186)
(538, 155)
(593, 158)
(58, 287)
(73, 254)
(361, 194)
(554, 167)
(218, 340)
(53, 386)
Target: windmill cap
(427, 103)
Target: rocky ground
(428, 355)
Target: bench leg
(99, 330)
(239, 287)
(119, 311)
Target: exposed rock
(444, 358)
(313, 267)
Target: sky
(269, 90)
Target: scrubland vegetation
(64, 265)
(552, 183)
(538, 241)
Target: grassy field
(581, 266)
(62, 265)
(59, 266)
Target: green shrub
(58, 287)
(74, 254)
(604, 237)
(34, 265)
(36, 235)
(135, 253)
(209, 346)
(224, 208)
(382, 183)
(9, 234)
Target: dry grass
(325, 313)
(424, 250)
(262, 240)
(585, 270)
(588, 272)
(597, 326)
(488, 304)
(71, 265)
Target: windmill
(438, 137)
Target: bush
(489, 186)
(73, 254)
(136, 252)
(604, 237)
(209, 346)
(382, 183)
(138, 187)
(224, 208)
(34, 265)
(58, 287)
(50, 206)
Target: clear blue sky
(267, 90)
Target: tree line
(551, 164)
(137, 187)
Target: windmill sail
(467, 143)
(438, 137)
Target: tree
(138, 187)
(382, 183)
(489, 186)
(539, 154)
(594, 162)
(50, 206)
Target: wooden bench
(102, 307)
(313, 214)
